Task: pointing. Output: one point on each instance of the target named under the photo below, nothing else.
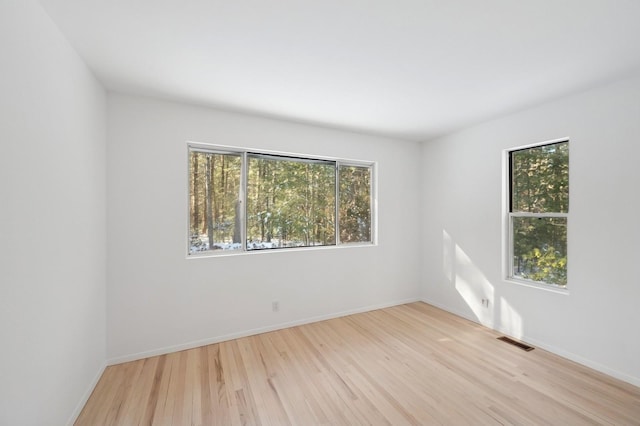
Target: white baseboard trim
(87, 394)
(550, 348)
(254, 331)
(584, 361)
(456, 312)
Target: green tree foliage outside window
(290, 203)
(539, 205)
(285, 201)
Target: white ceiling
(412, 69)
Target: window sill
(532, 284)
(226, 253)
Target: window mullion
(528, 214)
(337, 207)
(244, 173)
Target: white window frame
(244, 153)
(508, 246)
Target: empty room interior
(287, 212)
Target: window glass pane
(540, 179)
(540, 249)
(355, 204)
(290, 203)
(214, 189)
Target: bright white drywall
(52, 222)
(159, 300)
(597, 322)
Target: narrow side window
(538, 213)
(355, 203)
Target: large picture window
(247, 201)
(538, 213)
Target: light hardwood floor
(412, 364)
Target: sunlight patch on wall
(448, 256)
(468, 280)
(510, 319)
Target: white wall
(52, 222)
(597, 322)
(159, 300)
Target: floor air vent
(521, 345)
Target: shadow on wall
(476, 290)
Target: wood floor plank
(405, 365)
(170, 380)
